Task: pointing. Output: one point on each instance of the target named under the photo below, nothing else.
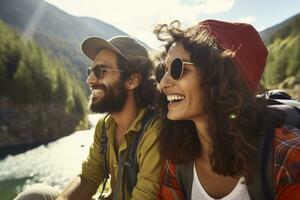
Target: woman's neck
(204, 138)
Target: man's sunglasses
(99, 70)
(176, 69)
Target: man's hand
(78, 189)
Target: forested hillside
(283, 66)
(43, 93)
(55, 30)
(39, 99)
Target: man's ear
(133, 81)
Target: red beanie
(250, 52)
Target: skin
(191, 108)
(108, 95)
(80, 188)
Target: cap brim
(91, 47)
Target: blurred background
(45, 126)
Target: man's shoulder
(103, 118)
(152, 126)
(153, 122)
(102, 121)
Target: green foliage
(28, 75)
(284, 54)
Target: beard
(113, 100)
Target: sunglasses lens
(176, 68)
(98, 71)
(159, 72)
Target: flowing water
(53, 164)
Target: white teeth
(96, 92)
(174, 97)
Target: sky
(139, 17)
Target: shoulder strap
(128, 167)
(119, 180)
(103, 150)
(184, 177)
(261, 186)
(131, 162)
(267, 164)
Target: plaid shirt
(286, 167)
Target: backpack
(261, 187)
(279, 100)
(127, 165)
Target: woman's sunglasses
(99, 70)
(176, 69)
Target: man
(121, 85)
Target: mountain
(289, 25)
(283, 65)
(55, 30)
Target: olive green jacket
(148, 158)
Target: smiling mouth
(97, 93)
(175, 98)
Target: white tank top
(240, 191)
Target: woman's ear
(133, 81)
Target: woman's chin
(173, 116)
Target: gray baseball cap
(125, 46)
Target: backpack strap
(103, 150)
(184, 176)
(291, 109)
(128, 167)
(266, 164)
(119, 180)
(131, 162)
(261, 164)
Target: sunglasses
(100, 69)
(176, 69)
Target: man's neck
(127, 115)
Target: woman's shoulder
(286, 148)
(288, 136)
(286, 145)
(170, 188)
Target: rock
(35, 123)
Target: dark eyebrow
(102, 65)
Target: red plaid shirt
(286, 148)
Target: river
(54, 164)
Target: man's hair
(232, 110)
(146, 93)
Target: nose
(166, 81)
(91, 79)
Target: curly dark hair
(146, 93)
(236, 119)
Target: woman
(217, 129)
